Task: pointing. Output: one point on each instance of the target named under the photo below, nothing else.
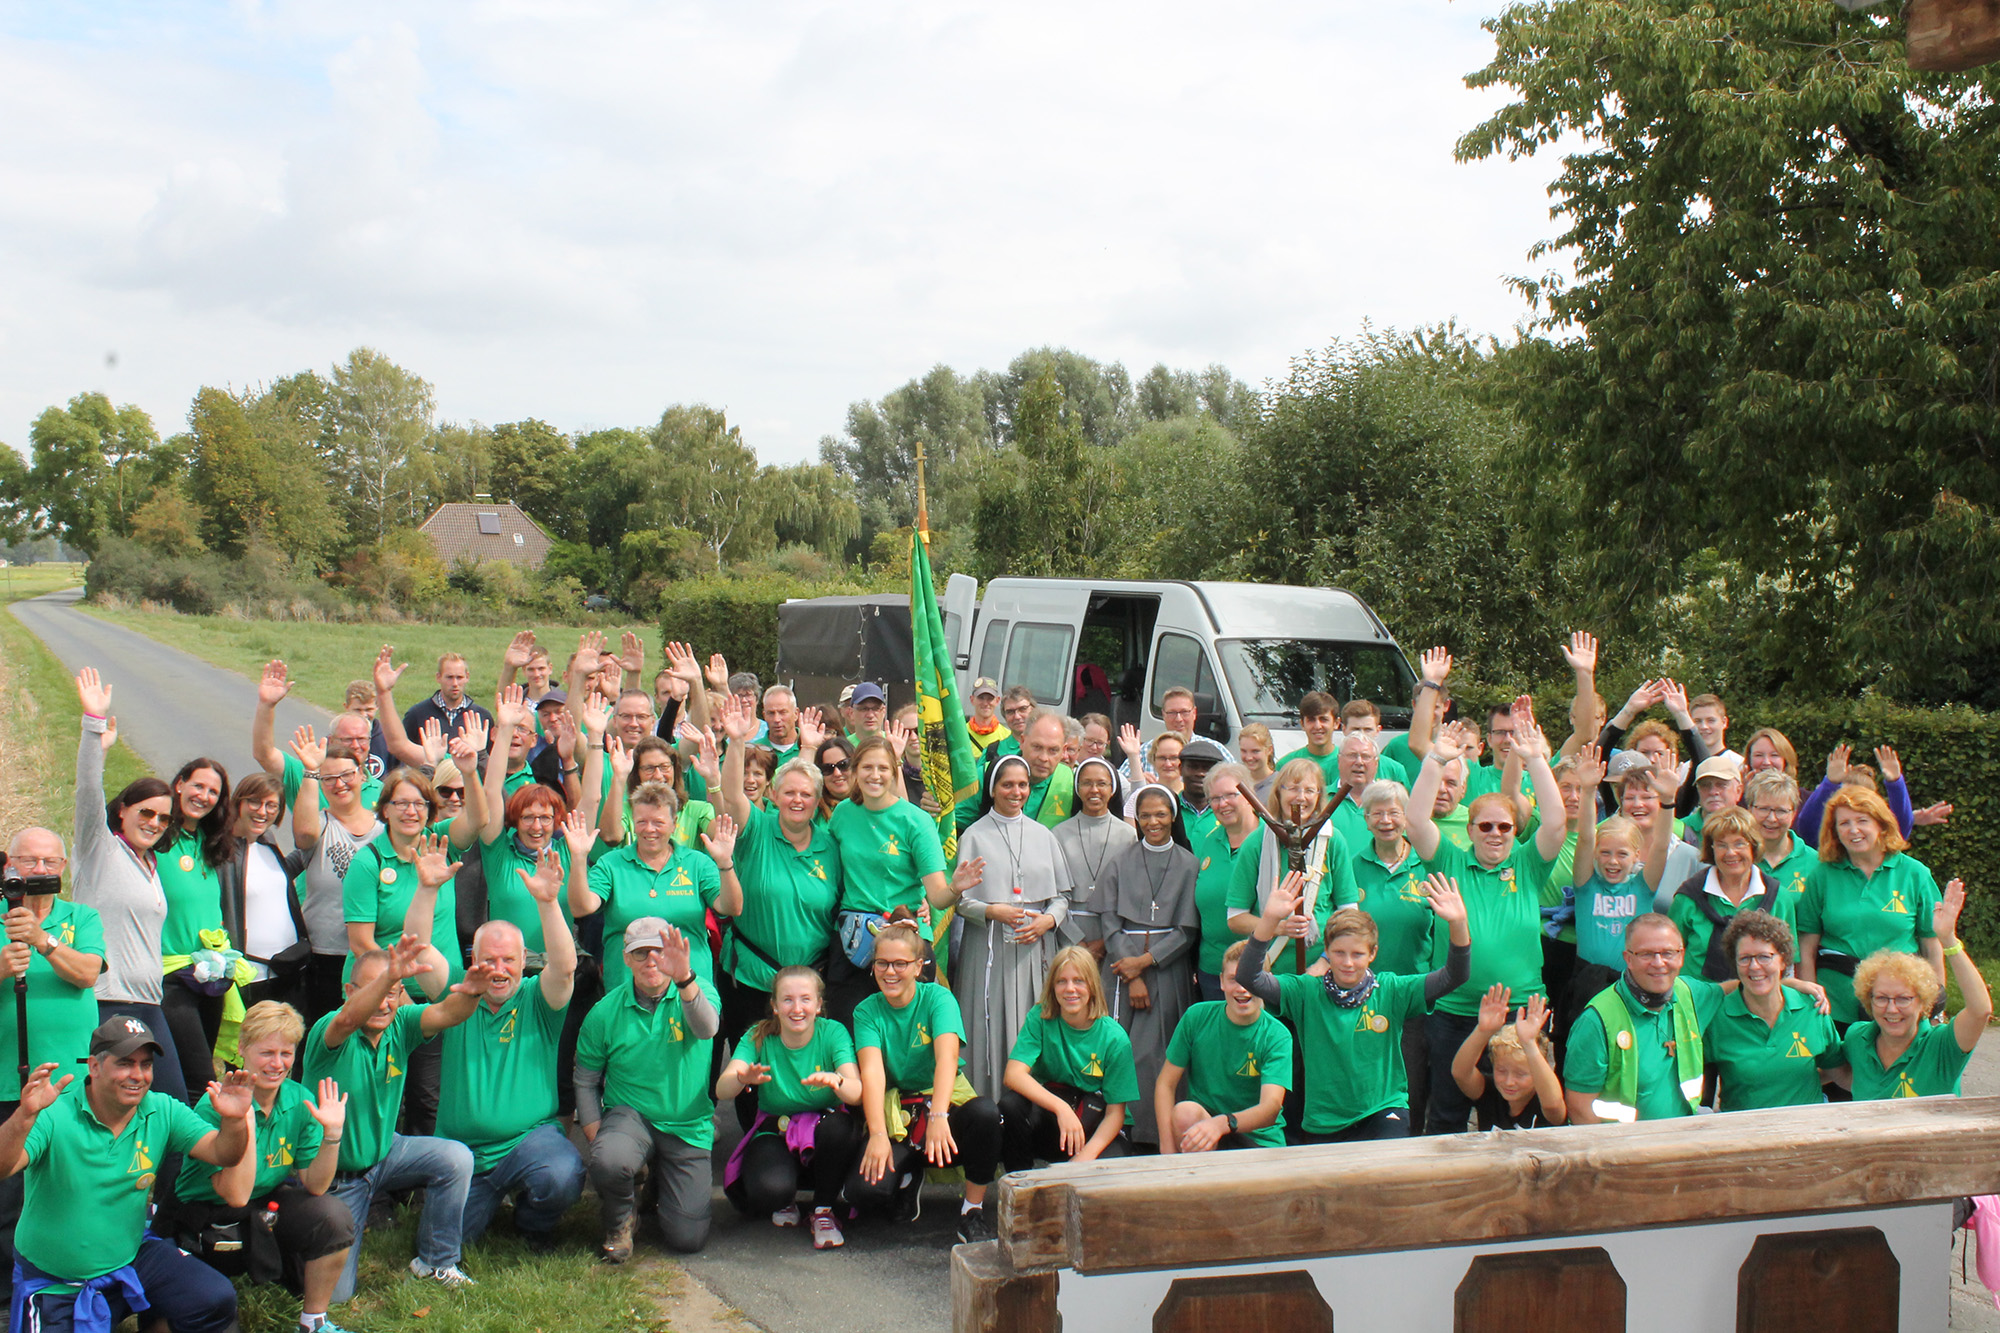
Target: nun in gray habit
(1013, 914)
(1091, 840)
(1146, 911)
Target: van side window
(1038, 657)
(1180, 661)
(992, 649)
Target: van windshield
(1270, 676)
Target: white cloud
(587, 211)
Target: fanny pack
(857, 935)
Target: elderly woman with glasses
(1894, 1052)
(1769, 1043)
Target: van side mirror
(1208, 719)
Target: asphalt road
(170, 706)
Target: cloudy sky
(586, 210)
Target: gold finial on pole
(923, 515)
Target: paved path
(170, 706)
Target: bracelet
(311, 775)
(328, 1143)
(1956, 948)
(573, 768)
(689, 980)
(1423, 685)
(729, 869)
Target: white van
(1248, 651)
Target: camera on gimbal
(15, 886)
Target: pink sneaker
(825, 1231)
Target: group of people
(509, 952)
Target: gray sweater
(108, 876)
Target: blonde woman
(1070, 1076)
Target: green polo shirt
(1351, 822)
(1095, 1059)
(524, 776)
(507, 896)
(1652, 1035)
(84, 1210)
(1455, 827)
(1483, 779)
(294, 777)
(904, 1036)
(1561, 876)
(288, 1139)
(1793, 870)
(680, 892)
(498, 1075)
(377, 892)
(371, 1074)
(1356, 1054)
(1931, 1067)
(194, 898)
(61, 1017)
(1217, 861)
(1761, 1065)
(1696, 929)
(651, 1062)
(1336, 885)
(1503, 909)
(1329, 763)
(1229, 1064)
(884, 856)
(1857, 915)
(1395, 899)
(827, 1048)
(789, 897)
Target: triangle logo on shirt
(1896, 904)
(1904, 1088)
(890, 846)
(1799, 1051)
(923, 1037)
(1094, 1068)
(1249, 1069)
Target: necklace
(1095, 865)
(1158, 881)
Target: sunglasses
(151, 816)
(1493, 826)
(451, 793)
(837, 766)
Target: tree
(254, 480)
(1176, 500)
(1777, 347)
(709, 483)
(878, 456)
(377, 418)
(616, 470)
(813, 505)
(19, 507)
(535, 467)
(1042, 502)
(1097, 397)
(94, 466)
(170, 524)
(455, 467)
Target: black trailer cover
(847, 638)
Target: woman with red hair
(1864, 896)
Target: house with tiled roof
(485, 530)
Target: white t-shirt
(267, 915)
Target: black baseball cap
(121, 1036)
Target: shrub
(737, 618)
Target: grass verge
(324, 657)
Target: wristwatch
(1231, 1118)
(49, 946)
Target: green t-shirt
(1482, 779)
(1096, 1059)
(194, 897)
(1229, 1064)
(1329, 763)
(904, 1036)
(61, 1017)
(651, 1062)
(507, 896)
(1857, 915)
(288, 1139)
(1217, 860)
(1652, 1037)
(884, 856)
(680, 892)
(789, 898)
(1395, 900)
(294, 776)
(1794, 870)
(785, 1093)
(1356, 1054)
(84, 1210)
(1759, 1065)
(1931, 1067)
(1561, 876)
(1336, 886)
(1351, 822)
(497, 1080)
(1503, 908)
(1455, 828)
(377, 892)
(371, 1074)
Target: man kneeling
(1238, 1062)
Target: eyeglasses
(1654, 955)
(1772, 811)
(43, 863)
(1758, 960)
(409, 805)
(1893, 1001)
(1493, 826)
(656, 770)
(894, 964)
(327, 779)
(837, 766)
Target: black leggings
(771, 1171)
(975, 1128)
(1028, 1131)
(196, 1021)
(1391, 1124)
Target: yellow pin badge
(1624, 1041)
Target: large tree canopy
(1779, 346)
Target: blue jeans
(442, 1167)
(184, 1291)
(544, 1170)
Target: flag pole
(923, 514)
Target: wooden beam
(988, 1296)
(1951, 35)
(1275, 1204)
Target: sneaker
(909, 1204)
(825, 1231)
(973, 1227)
(788, 1216)
(325, 1325)
(449, 1276)
(617, 1247)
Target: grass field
(323, 658)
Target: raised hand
(596, 713)
(1436, 665)
(589, 652)
(562, 734)
(674, 954)
(430, 737)
(474, 731)
(92, 693)
(899, 737)
(434, 864)
(38, 1094)
(620, 760)
(1528, 1025)
(274, 685)
(719, 839)
(968, 875)
(479, 979)
(1493, 1007)
(1581, 654)
(386, 672)
(756, 1075)
(1643, 698)
(1837, 761)
(739, 722)
(231, 1096)
(708, 759)
(311, 752)
(681, 665)
(547, 881)
(1442, 893)
(519, 651)
(631, 653)
(1931, 814)
(579, 833)
(1285, 898)
(717, 674)
(1528, 737)
(1944, 917)
(510, 709)
(1675, 696)
(812, 731)
(1889, 762)
(329, 1108)
(1453, 740)
(1589, 768)
(406, 957)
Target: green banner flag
(951, 760)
